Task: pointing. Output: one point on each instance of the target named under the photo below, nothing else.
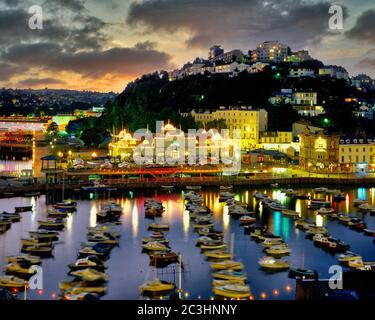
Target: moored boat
(158, 226)
(12, 282)
(230, 275)
(233, 291)
(89, 262)
(247, 220)
(278, 250)
(79, 287)
(325, 210)
(302, 273)
(227, 265)
(24, 259)
(155, 246)
(272, 264)
(330, 244)
(348, 256)
(218, 254)
(24, 209)
(162, 258)
(156, 287)
(37, 250)
(52, 224)
(369, 232)
(90, 275)
(290, 213)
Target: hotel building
(270, 51)
(322, 152)
(251, 122)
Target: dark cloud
(364, 28)
(32, 82)
(367, 63)
(133, 61)
(77, 30)
(294, 21)
(8, 70)
(72, 40)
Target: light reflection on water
(128, 267)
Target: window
(364, 158)
(342, 159)
(356, 159)
(350, 149)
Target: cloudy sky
(102, 45)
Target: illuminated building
(332, 153)
(319, 152)
(171, 143)
(357, 154)
(336, 72)
(250, 122)
(280, 141)
(122, 145)
(271, 51)
(306, 103)
(304, 98)
(301, 72)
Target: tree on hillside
(52, 129)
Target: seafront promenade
(152, 183)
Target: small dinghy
(232, 291)
(12, 282)
(272, 264)
(156, 287)
(90, 275)
(92, 262)
(295, 272)
(230, 275)
(24, 209)
(155, 246)
(227, 265)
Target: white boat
(226, 188)
(366, 207)
(193, 187)
(290, 192)
(271, 263)
(155, 246)
(168, 188)
(247, 220)
(358, 202)
(227, 265)
(348, 256)
(321, 190)
(290, 213)
(12, 282)
(90, 275)
(156, 287)
(278, 250)
(325, 210)
(230, 275)
(233, 291)
(224, 196)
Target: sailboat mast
(180, 278)
(232, 243)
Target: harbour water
(128, 267)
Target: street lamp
(309, 165)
